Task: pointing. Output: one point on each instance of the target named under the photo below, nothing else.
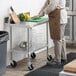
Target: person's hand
(41, 13)
(34, 17)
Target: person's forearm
(44, 6)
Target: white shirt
(54, 4)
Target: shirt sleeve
(44, 6)
(51, 7)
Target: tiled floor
(40, 60)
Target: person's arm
(44, 6)
(51, 7)
(41, 12)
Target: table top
(63, 73)
(29, 23)
(40, 19)
(71, 66)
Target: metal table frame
(30, 66)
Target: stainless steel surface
(28, 42)
(71, 13)
(47, 38)
(11, 43)
(35, 46)
(70, 31)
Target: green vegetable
(21, 17)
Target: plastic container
(3, 51)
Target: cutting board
(14, 16)
(71, 66)
(37, 19)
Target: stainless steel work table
(29, 49)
